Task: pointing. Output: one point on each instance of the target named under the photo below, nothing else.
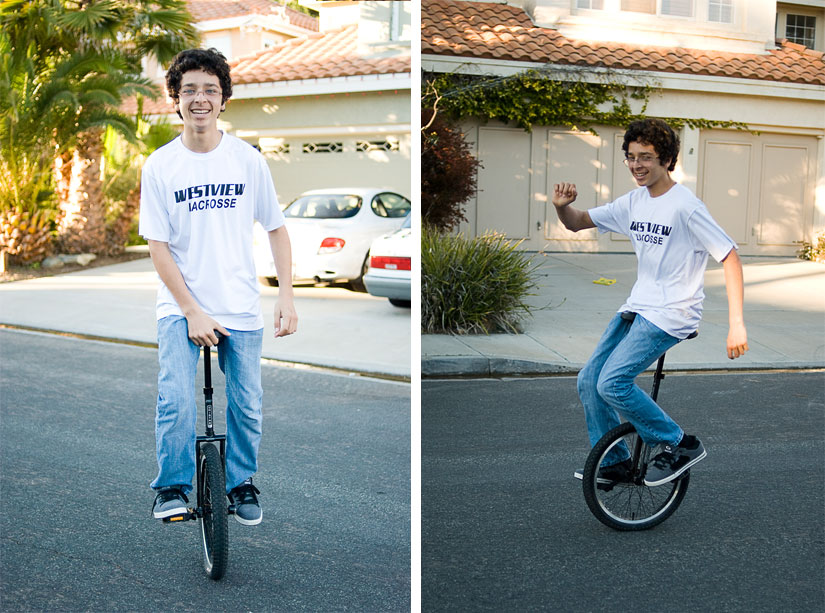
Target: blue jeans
(239, 357)
(607, 385)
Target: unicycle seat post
(657, 377)
(207, 390)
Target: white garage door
(759, 187)
(303, 163)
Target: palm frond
(111, 118)
(90, 18)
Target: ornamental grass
(473, 285)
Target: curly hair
(210, 61)
(657, 133)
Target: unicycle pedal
(182, 517)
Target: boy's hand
(564, 194)
(202, 329)
(737, 341)
(286, 319)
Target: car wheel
(400, 303)
(357, 285)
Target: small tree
(448, 172)
(65, 68)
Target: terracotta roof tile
(316, 55)
(205, 10)
(332, 54)
(501, 31)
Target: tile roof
(205, 10)
(314, 56)
(506, 33)
(331, 54)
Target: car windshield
(324, 206)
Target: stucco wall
(310, 142)
(338, 110)
(766, 188)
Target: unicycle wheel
(213, 520)
(629, 504)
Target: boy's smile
(647, 169)
(200, 101)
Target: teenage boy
(672, 234)
(200, 195)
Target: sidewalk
(337, 328)
(784, 315)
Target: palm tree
(76, 60)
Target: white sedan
(331, 231)
(390, 267)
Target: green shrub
(449, 172)
(815, 251)
(473, 285)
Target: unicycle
(212, 510)
(628, 504)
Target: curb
(470, 366)
(482, 367)
(271, 361)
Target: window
(590, 4)
(273, 145)
(376, 145)
(395, 21)
(639, 6)
(388, 204)
(323, 147)
(325, 206)
(801, 29)
(221, 43)
(720, 11)
(677, 8)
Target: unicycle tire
(213, 521)
(629, 505)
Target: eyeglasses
(191, 92)
(644, 160)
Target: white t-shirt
(204, 205)
(672, 236)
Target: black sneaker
(170, 502)
(247, 510)
(615, 473)
(673, 461)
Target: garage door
(760, 188)
(300, 164)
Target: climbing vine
(534, 98)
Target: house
(757, 61)
(326, 100)
(237, 28)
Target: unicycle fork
(211, 477)
(211, 509)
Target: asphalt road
(505, 526)
(77, 426)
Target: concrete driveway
(337, 328)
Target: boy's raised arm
(572, 218)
